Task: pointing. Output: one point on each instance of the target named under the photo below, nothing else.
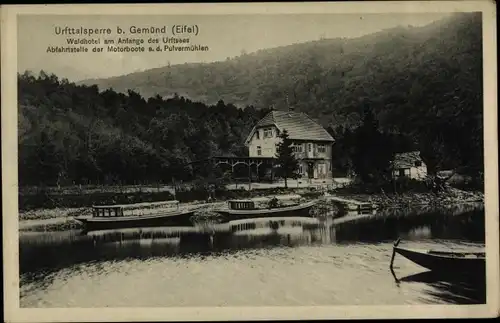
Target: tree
(287, 164)
(48, 159)
(342, 149)
(373, 152)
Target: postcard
(249, 161)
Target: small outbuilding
(410, 165)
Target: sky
(225, 36)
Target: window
(301, 170)
(257, 134)
(401, 172)
(418, 163)
(277, 132)
(268, 132)
(297, 148)
(309, 147)
(321, 148)
(259, 151)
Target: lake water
(345, 264)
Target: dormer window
(268, 132)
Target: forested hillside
(74, 133)
(328, 75)
(425, 83)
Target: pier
(349, 218)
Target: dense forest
(421, 83)
(70, 133)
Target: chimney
(290, 107)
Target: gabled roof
(298, 125)
(407, 159)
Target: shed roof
(407, 159)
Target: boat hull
(167, 219)
(444, 262)
(291, 211)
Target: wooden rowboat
(136, 215)
(443, 261)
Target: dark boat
(444, 261)
(136, 215)
(245, 209)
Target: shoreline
(63, 218)
(451, 196)
(58, 219)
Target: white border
(9, 170)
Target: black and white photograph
(251, 156)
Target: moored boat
(444, 261)
(136, 215)
(249, 208)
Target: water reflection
(454, 289)
(463, 222)
(327, 253)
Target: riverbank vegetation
(452, 196)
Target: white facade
(263, 142)
(314, 157)
(417, 170)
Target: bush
(468, 183)
(405, 184)
(400, 185)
